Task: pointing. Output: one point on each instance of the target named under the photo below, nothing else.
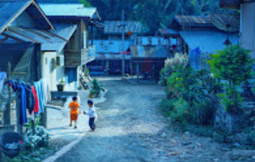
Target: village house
(37, 49)
(200, 36)
(148, 55)
(63, 50)
(109, 47)
(74, 27)
(150, 52)
(247, 21)
(24, 33)
(144, 52)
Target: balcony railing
(92, 51)
(88, 54)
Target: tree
(86, 3)
(234, 65)
(154, 14)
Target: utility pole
(123, 42)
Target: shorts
(74, 116)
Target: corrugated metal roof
(149, 52)
(221, 21)
(207, 41)
(77, 10)
(114, 27)
(193, 20)
(48, 40)
(64, 30)
(11, 9)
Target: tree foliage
(154, 13)
(232, 64)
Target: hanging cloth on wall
(36, 106)
(30, 98)
(3, 76)
(20, 89)
(40, 94)
(46, 89)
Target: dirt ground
(130, 128)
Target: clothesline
(30, 97)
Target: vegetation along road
(131, 128)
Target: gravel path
(130, 128)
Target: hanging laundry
(23, 104)
(36, 107)
(40, 94)
(30, 98)
(3, 76)
(20, 89)
(46, 89)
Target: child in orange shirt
(74, 106)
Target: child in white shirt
(92, 115)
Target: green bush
(180, 112)
(86, 72)
(233, 65)
(195, 89)
(39, 139)
(167, 106)
(179, 60)
(96, 89)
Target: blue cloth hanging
(3, 76)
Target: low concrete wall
(63, 95)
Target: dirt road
(131, 128)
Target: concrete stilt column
(131, 67)
(137, 72)
(107, 67)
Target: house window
(71, 75)
(52, 64)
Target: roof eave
(16, 15)
(43, 14)
(58, 17)
(97, 17)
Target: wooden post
(137, 72)
(153, 71)
(131, 68)
(18, 112)
(7, 113)
(107, 65)
(43, 118)
(92, 34)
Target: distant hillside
(154, 13)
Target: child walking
(92, 115)
(74, 111)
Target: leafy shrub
(170, 65)
(233, 65)
(180, 111)
(167, 106)
(86, 73)
(195, 89)
(96, 89)
(39, 139)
